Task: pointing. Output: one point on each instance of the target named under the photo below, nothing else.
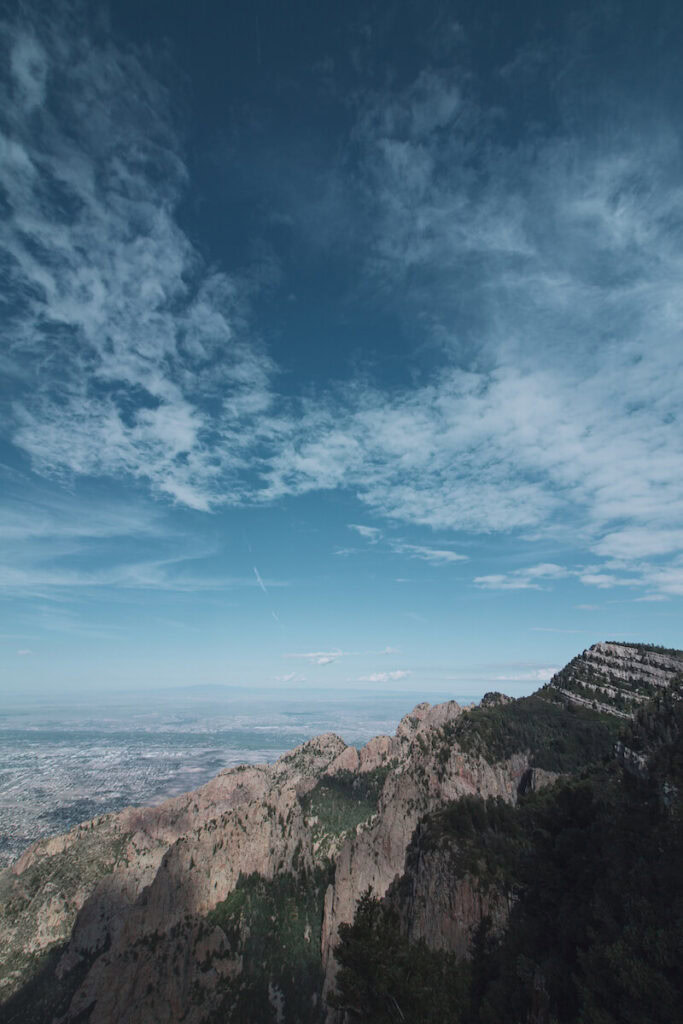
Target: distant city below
(60, 765)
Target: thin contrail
(260, 582)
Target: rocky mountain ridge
(617, 678)
(152, 913)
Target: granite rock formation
(151, 914)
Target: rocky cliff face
(441, 906)
(432, 770)
(617, 678)
(127, 896)
(187, 910)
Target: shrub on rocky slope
(591, 870)
(227, 904)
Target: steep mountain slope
(574, 895)
(226, 904)
(617, 677)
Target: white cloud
(41, 516)
(384, 677)
(556, 271)
(499, 581)
(659, 579)
(53, 541)
(605, 580)
(259, 580)
(369, 533)
(550, 282)
(639, 542)
(547, 570)
(319, 657)
(157, 574)
(666, 580)
(290, 677)
(24, 651)
(523, 579)
(408, 459)
(129, 355)
(435, 556)
(327, 657)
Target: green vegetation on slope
(95, 853)
(559, 739)
(596, 931)
(384, 978)
(672, 652)
(275, 925)
(485, 839)
(341, 802)
(592, 866)
(604, 686)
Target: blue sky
(341, 344)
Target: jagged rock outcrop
(616, 678)
(117, 884)
(159, 898)
(148, 878)
(432, 771)
(513, 911)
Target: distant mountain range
(518, 861)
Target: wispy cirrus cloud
(663, 580)
(157, 574)
(638, 542)
(531, 578)
(54, 543)
(29, 514)
(290, 677)
(130, 356)
(425, 552)
(369, 533)
(543, 271)
(546, 273)
(384, 677)
(327, 657)
(319, 657)
(508, 450)
(435, 556)
(499, 581)
(605, 580)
